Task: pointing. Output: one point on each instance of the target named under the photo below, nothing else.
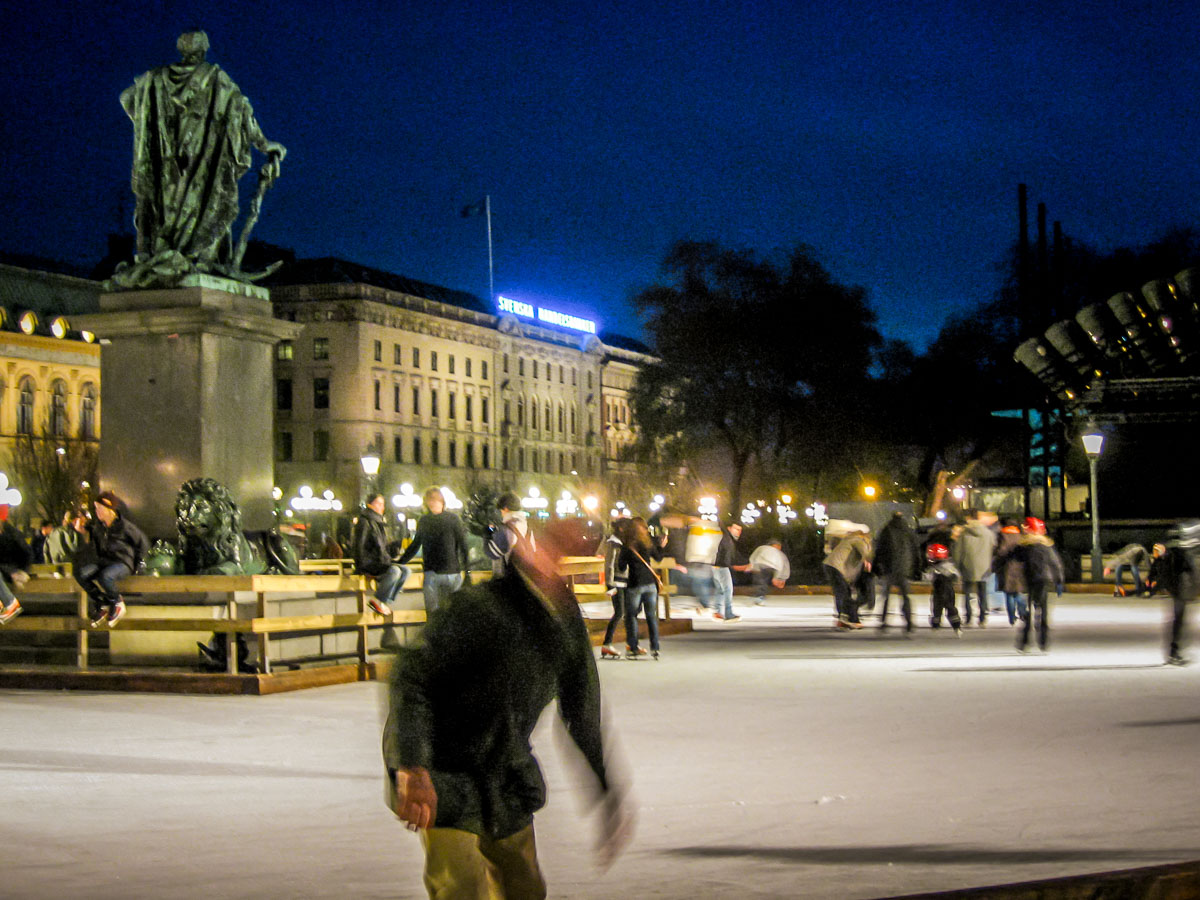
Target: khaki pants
(464, 866)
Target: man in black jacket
(463, 704)
(444, 539)
(114, 548)
(371, 556)
(896, 556)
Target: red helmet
(1034, 526)
(937, 552)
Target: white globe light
(305, 491)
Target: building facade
(444, 391)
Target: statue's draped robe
(192, 135)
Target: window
(589, 381)
(320, 348)
(433, 405)
(561, 419)
(562, 464)
(521, 411)
(320, 446)
(396, 398)
(397, 448)
(549, 420)
(283, 446)
(433, 360)
(87, 412)
(573, 375)
(416, 450)
(470, 455)
(416, 402)
(503, 458)
(453, 397)
(535, 368)
(433, 451)
(482, 370)
(521, 366)
(549, 469)
(533, 414)
(453, 455)
(379, 351)
(574, 462)
(416, 357)
(560, 374)
(320, 393)
(58, 409)
(397, 357)
(521, 459)
(483, 409)
(469, 404)
(533, 457)
(507, 412)
(486, 460)
(572, 418)
(468, 365)
(283, 394)
(505, 366)
(450, 364)
(284, 351)
(377, 389)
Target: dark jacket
(1010, 573)
(122, 542)
(464, 702)
(726, 550)
(371, 556)
(638, 571)
(444, 540)
(1039, 560)
(15, 554)
(1177, 573)
(896, 552)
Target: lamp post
(370, 467)
(1093, 445)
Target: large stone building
(49, 373)
(443, 389)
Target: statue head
(192, 45)
(209, 524)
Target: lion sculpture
(210, 532)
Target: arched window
(58, 408)
(87, 412)
(533, 414)
(25, 406)
(561, 419)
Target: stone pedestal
(187, 390)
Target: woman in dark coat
(642, 582)
(1010, 574)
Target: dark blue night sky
(889, 136)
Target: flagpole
(487, 209)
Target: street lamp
(370, 467)
(1093, 446)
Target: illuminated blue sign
(562, 320)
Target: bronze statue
(193, 131)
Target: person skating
(616, 579)
(1010, 574)
(15, 559)
(1131, 557)
(1177, 575)
(769, 566)
(112, 549)
(723, 566)
(972, 555)
(843, 564)
(941, 573)
(444, 561)
(895, 563)
(462, 707)
(372, 556)
(513, 528)
(642, 584)
(1042, 569)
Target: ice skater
(1177, 575)
(1042, 568)
(942, 574)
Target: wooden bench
(585, 577)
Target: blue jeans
(723, 579)
(437, 588)
(390, 583)
(1137, 576)
(645, 598)
(100, 582)
(701, 575)
(6, 596)
(1015, 606)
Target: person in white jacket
(768, 565)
